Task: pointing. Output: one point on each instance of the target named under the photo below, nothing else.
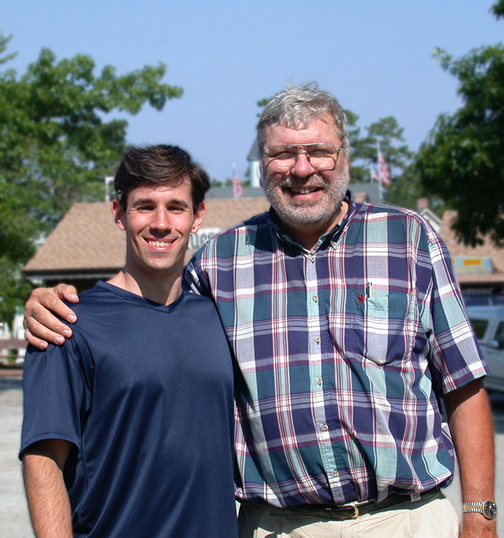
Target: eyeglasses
(321, 156)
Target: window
(499, 334)
(480, 327)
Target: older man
(348, 330)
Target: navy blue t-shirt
(145, 394)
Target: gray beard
(307, 214)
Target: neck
(163, 289)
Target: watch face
(490, 509)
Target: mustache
(313, 181)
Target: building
(479, 270)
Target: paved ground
(14, 519)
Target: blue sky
(374, 56)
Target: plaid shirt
(343, 354)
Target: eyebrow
(147, 200)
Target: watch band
(487, 508)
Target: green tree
(357, 144)
(498, 8)
(58, 140)
(462, 161)
(406, 189)
(385, 134)
(4, 40)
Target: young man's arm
(470, 420)
(48, 501)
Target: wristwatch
(488, 508)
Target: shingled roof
(86, 240)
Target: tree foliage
(387, 135)
(4, 40)
(58, 140)
(498, 8)
(463, 160)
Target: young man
(348, 329)
(128, 427)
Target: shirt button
(335, 474)
(312, 258)
(325, 427)
(319, 381)
(315, 298)
(317, 339)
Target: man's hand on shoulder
(42, 327)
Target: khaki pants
(430, 519)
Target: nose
(302, 166)
(160, 220)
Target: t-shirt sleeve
(55, 395)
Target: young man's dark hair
(159, 165)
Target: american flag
(237, 188)
(380, 172)
(383, 169)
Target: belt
(352, 511)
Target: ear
(198, 218)
(118, 213)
